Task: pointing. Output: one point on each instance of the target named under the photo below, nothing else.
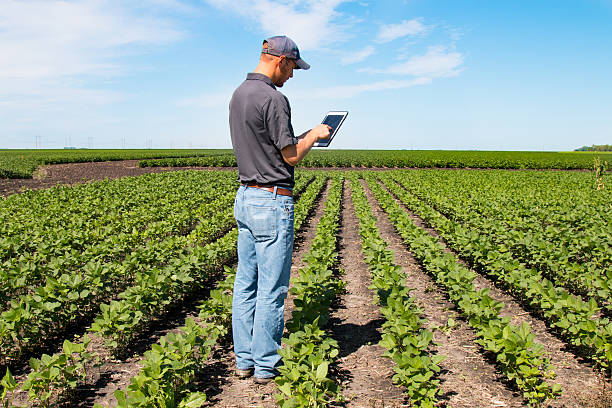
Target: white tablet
(333, 119)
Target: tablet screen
(333, 119)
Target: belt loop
(275, 188)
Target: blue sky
(414, 74)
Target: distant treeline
(595, 148)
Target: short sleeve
(278, 121)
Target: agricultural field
(428, 288)
(19, 164)
(414, 159)
(23, 163)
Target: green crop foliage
(406, 159)
(9, 385)
(564, 236)
(179, 267)
(406, 341)
(52, 375)
(520, 359)
(308, 351)
(55, 274)
(23, 163)
(121, 254)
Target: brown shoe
(263, 381)
(242, 374)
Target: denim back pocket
(261, 221)
(288, 211)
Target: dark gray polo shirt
(260, 125)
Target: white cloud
(208, 100)
(349, 91)
(437, 62)
(310, 23)
(357, 56)
(221, 99)
(50, 47)
(173, 5)
(60, 38)
(412, 27)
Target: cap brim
(301, 64)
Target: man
(266, 150)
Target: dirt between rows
(469, 377)
(79, 173)
(582, 385)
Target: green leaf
(322, 371)
(121, 398)
(286, 389)
(193, 400)
(8, 381)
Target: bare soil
(469, 377)
(79, 173)
(582, 385)
(116, 373)
(366, 376)
(217, 379)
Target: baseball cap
(283, 45)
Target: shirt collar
(260, 77)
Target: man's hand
(293, 154)
(321, 131)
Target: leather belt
(279, 190)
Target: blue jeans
(265, 247)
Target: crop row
(61, 219)
(563, 208)
(71, 297)
(107, 243)
(576, 319)
(47, 310)
(22, 163)
(169, 367)
(220, 160)
(406, 340)
(308, 350)
(573, 250)
(518, 356)
(121, 321)
(408, 159)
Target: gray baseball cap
(283, 45)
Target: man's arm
(293, 154)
